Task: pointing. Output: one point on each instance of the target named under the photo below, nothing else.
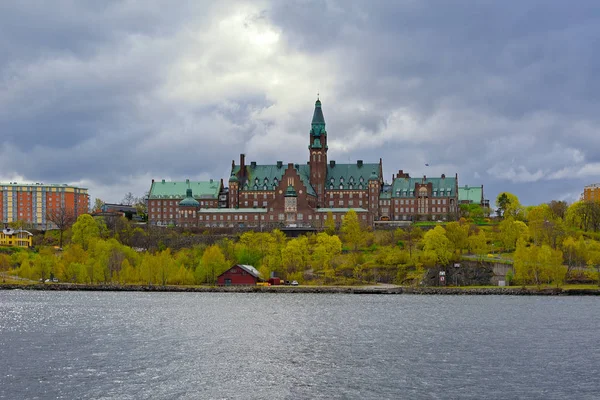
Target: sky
(109, 95)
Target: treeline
(547, 246)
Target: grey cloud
(498, 93)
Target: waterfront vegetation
(547, 245)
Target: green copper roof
(350, 176)
(318, 114)
(441, 187)
(318, 121)
(290, 192)
(470, 194)
(374, 176)
(268, 177)
(177, 190)
(316, 144)
(189, 200)
(233, 178)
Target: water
(103, 345)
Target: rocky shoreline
(511, 291)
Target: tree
(85, 230)
(509, 206)
(295, 254)
(478, 244)
(326, 248)
(98, 203)
(330, 224)
(214, 263)
(511, 231)
(457, 234)
(437, 245)
(558, 209)
(63, 217)
(129, 199)
(351, 231)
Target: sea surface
(123, 345)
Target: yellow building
(16, 238)
(591, 192)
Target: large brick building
(591, 192)
(289, 194)
(32, 202)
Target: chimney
(359, 163)
(279, 164)
(290, 165)
(211, 181)
(242, 165)
(163, 181)
(332, 163)
(187, 181)
(152, 181)
(253, 164)
(443, 176)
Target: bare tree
(129, 199)
(63, 218)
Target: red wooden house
(239, 274)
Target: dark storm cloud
(115, 93)
(502, 72)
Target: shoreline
(506, 291)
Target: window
(330, 203)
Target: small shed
(239, 274)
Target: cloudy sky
(111, 94)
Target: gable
(268, 177)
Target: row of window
(411, 193)
(159, 203)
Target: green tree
(458, 235)
(330, 224)
(511, 231)
(85, 230)
(351, 230)
(478, 244)
(295, 254)
(509, 206)
(326, 248)
(437, 245)
(214, 263)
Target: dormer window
(361, 179)
(332, 180)
(341, 187)
(331, 187)
(264, 187)
(256, 180)
(275, 182)
(341, 180)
